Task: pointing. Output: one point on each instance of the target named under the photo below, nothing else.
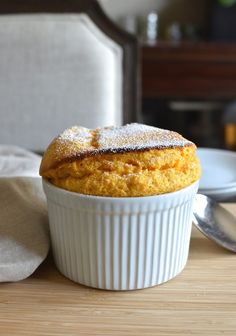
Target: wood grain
(189, 70)
(199, 301)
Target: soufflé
(128, 161)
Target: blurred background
(169, 11)
(188, 61)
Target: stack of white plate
(218, 173)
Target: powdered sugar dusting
(74, 141)
(80, 141)
(76, 133)
(138, 137)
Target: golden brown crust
(77, 143)
(129, 161)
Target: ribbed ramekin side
(120, 252)
(121, 245)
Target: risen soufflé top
(127, 161)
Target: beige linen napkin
(24, 236)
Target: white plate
(220, 194)
(218, 169)
(223, 195)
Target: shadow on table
(47, 271)
(203, 248)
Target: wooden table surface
(199, 301)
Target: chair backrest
(62, 62)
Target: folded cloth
(24, 234)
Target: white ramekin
(120, 243)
